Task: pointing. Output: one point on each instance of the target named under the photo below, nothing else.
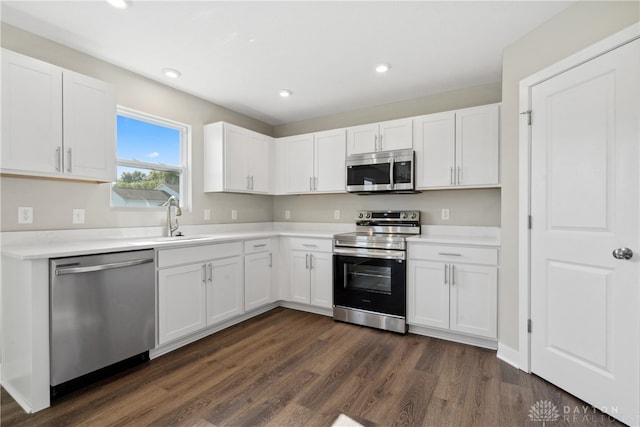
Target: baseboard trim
(454, 336)
(508, 355)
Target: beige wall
(53, 201)
(577, 27)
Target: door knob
(622, 253)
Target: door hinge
(530, 222)
(528, 113)
(529, 325)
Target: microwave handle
(392, 166)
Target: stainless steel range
(369, 269)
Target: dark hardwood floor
(290, 368)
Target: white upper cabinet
(458, 148)
(315, 162)
(55, 122)
(236, 159)
(384, 136)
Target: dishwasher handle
(101, 267)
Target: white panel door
(89, 127)
(362, 139)
(434, 141)
(321, 267)
(478, 146)
(330, 147)
(257, 280)
(428, 293)
(474, 299)
(300, 163)
(31, 114)
(300, 277)
(236, 160)
(181, 301)
(584, 184)
(259, 156)
(395, 135)
(225, 289)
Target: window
(152, 161)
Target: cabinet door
(31, 115)
(300, 164)
(89, 128)
(259, 156)
(362, 139)
(300, 277)
(428, 294)
(330, 166)
(478, 146)
(181, 301)
(257, 280)
(225, 289)
(474, 304)
(321, 286)
(435, 149)
(236, 160)
(395, 135)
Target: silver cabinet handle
(309, 245)
(375, 143)
(459, 179)
(315, 183)
(310, 261)
(622, 253)
(306, 262)
(204, 273)
(69, 160)
(252, 182)
(210, 272)
(446, 274)
(58, 159)
(262, 245)
(270, 259)
(381, 140)
(449, 254)
(101, 267)
(453, 275)
(451, 175)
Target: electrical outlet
(287, 214)
(78, 216)
(207, 214)
(234, 214)
(445, 214)
(336, 214)
(25, 215)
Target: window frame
(185, 159)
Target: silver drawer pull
(448, 254)
(260, 246)
(307, 245)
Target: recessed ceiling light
(382, 68)
(171, 73)
(120, 4)
(285, 93)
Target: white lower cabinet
(225, 290)
(258, 280)
(181, 301)
(453, 288)
(311, 272)
(198, 286)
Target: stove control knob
(368, 215)
(403, 215)
(413, 215)
(360, 215)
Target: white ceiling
(240, 54)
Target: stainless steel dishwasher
(102, 312)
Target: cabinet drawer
(258, 245)
(318, 245)
(454, 254)
(169, 257)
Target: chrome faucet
(172, 227)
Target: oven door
(375, 284)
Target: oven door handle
(370, 253)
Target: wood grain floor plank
(289, 368)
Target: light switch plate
(336, 214)
(234, 214)
(445, 214)
(207, 214)
(287, 214)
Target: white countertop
(63, 243)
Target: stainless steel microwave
(390, 171)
